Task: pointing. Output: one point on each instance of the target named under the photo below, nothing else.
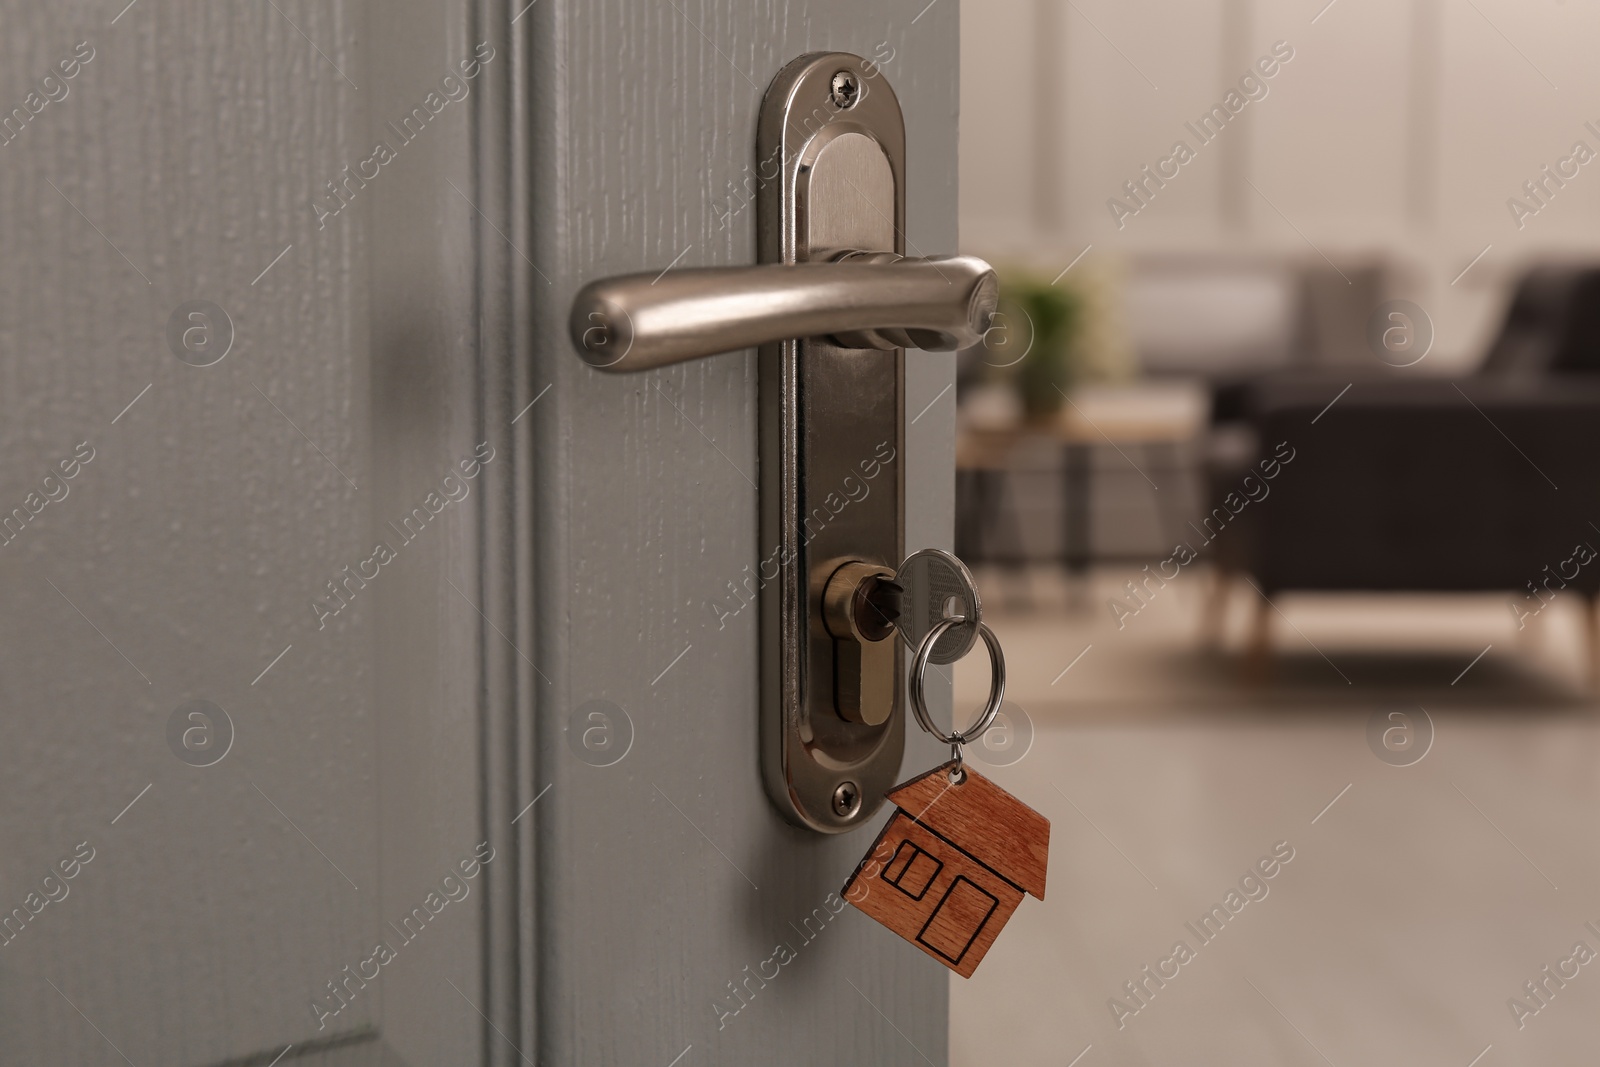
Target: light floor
(1414, 906)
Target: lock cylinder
(859, 606)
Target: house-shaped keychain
(952, 865)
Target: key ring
(997, 685)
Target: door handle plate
(832, 429)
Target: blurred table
(1154, 421)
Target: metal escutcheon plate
(832, 437)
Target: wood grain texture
(673, 893)
(436, 272)
(390, 343)
(180, 162)
(951, 866)
(995, 827)
(180, 165)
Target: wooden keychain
(955, 860)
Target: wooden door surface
(680, 914)
(322, 551)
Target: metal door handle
(832, 326)
(876, 300)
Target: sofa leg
(1591, 617)
(1258, 657)
(1214, 611)
(1528, 634)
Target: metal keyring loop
(997, 682)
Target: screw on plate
(846, 800)
(845, 90)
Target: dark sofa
(1488, 483)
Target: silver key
(934, 585)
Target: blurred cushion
(1210, 319)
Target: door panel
(186, 558)
(393, 713)
(669, 882)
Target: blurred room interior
(1279, 468)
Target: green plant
(1048, 318)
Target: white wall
(1400, 127)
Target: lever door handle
(878, 300)
(830, 413)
